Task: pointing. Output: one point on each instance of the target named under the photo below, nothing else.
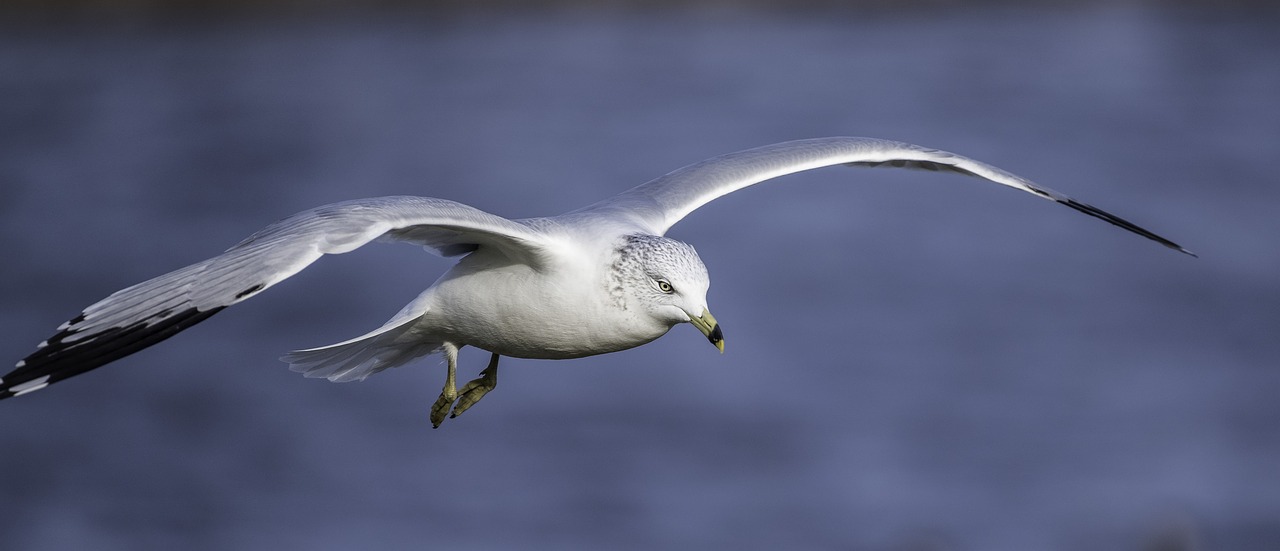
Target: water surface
(915, 360)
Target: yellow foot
(441, 407)
(473, 391)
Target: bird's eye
(665, 286)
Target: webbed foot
(442, 406)
(445, 402)
(474, 390)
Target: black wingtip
(1116, 220)
(62, 357)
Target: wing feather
(661, 203)
(149, 312)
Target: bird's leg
(450, 393)
(473, 391)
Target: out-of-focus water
(915, 361)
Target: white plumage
(596, 280)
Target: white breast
(564, 311)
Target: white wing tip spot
(30, 386)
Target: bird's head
(669, 282)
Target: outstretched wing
(149, 312)
(659, 204)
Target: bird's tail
(391, 345)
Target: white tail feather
(355, 359)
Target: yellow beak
(709, 327)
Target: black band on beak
(716, 335)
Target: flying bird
(599, 279)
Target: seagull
(595, 280)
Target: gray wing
(142, 315)
(659, 204)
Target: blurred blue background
(914, 361)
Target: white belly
(513, 310)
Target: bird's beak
(709, 327)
